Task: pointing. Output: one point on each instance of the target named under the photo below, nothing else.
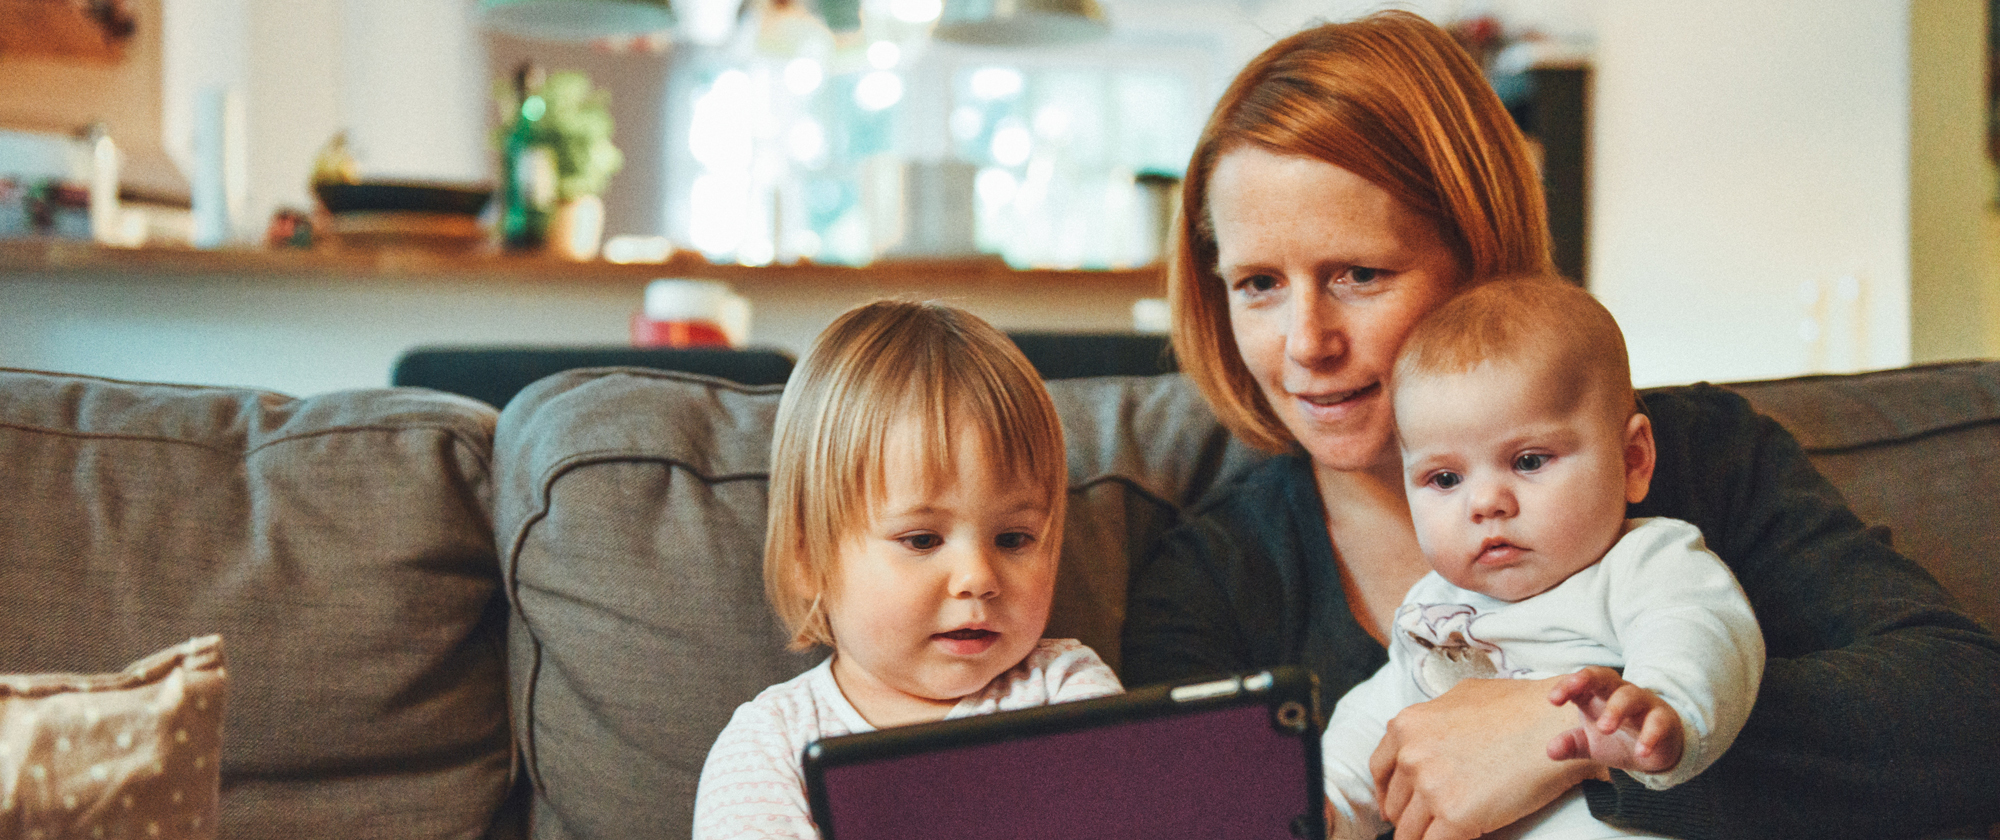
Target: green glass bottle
(527, 168)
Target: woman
(1354, 176)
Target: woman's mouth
(966, 641)
(1338, 399)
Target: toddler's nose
(973, 577)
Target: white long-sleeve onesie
(1659, 607)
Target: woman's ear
(1639, 455)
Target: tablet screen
(1221, 758)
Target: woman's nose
(1313, 332)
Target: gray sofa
(447, 622)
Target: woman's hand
(1474, 760)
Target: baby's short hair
(1535, 318)
(877, 366)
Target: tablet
(1236, 757)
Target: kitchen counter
(42, 257)
(303, 322)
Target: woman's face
(1325, 274)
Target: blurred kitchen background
(1756, 188)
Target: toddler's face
(1511, 491)
(944, 587)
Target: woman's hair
(1393, 99)
(1540, 320)
(893, 367)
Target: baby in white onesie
(1522, 442)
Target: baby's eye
(1443, 480)
(1014, 540)
(1530, 461)
(921, 542)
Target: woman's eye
(1257, 283)
(1362, 276)
(1444, 480)
(923, 542)
(1531, 461)
(1014, 540)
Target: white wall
(307, 332)
(296, 335)
(405, 79)
(1242, 28)
(1768, 192)
(1751, 186)
(1748, 157)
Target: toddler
(918, 484)
(1522, 443)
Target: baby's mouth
(967, 634)
(1497, 553)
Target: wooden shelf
(26, 259)
(92, 31)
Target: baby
(1522, 443)
(918, 484)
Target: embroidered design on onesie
(1443, 649)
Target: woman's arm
(1249, 582)
(1876, 716)
(1178, 618)
(1475, 759)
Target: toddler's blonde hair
(878, 367)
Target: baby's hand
(1624, 726)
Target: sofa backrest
(630, 520)
(341, 545)
(630, 515)
(1916, 450)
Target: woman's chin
(1358, 442)
(1352, 453)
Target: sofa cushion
(342, 544)
(1916, 450)
(630, 508)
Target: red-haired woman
(1353, 177)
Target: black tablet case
(1236, 757)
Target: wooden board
(68, 29)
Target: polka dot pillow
(124, 756)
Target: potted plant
(571, 123)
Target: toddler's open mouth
(966, 641)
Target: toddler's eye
(1014, 540)
(1444, 480)
(1530, 461)
(922, 542)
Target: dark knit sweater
(1879, 714)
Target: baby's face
(943, 587)
(1514, 481)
